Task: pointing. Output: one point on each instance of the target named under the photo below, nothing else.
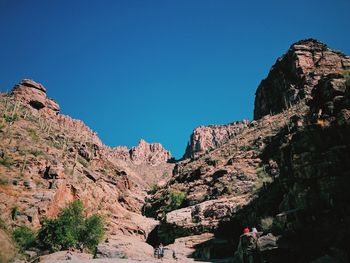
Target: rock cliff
(285, 173)
(143, 153)
(207, 138)
(294, 75)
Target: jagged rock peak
(143, 153)
(34, 94)
(294, 75)
(151, 153)
(207, 138)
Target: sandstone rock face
(207, 138)
(311, 193)
(153, 153)
(125, 248)
(295, 74)
(121, 153)
(143, 153)
(203, 217)
(34, 94)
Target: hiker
(174, 255)
(161, 251)
(246, 230)
(156, 252)
(255, 232)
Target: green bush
(83, 162)
(154, 189)
(33, 135)
(37, 152)
(71, 230)
(175, 200)
(4, 181)
(93, 231)
(11, 118)
(24, 237)
(6, 161)
(346, 74)
(14, 212)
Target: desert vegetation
(70, 230)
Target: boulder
(125, 247)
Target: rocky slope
(295, 74)
(288, 168)
(48, 160)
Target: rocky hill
(285, 173)
(47, 160)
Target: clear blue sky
(156, 69)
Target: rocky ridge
(288, 167)
(143, 153)
(47, 160)
(295, 74)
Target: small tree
(24, 237)
(93, 231)
(71, 230)
(176, 199)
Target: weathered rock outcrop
(34, 94)
(207, 138)
(143, 153)
(150, 153)
(295, 74)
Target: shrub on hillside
(175, 200)
(71, 230)
(346, 74)
(266, 223)
(24, 237)
(6, 161)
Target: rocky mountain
(295, 74)
(207, 138)
(285, 173)
(47, 160)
